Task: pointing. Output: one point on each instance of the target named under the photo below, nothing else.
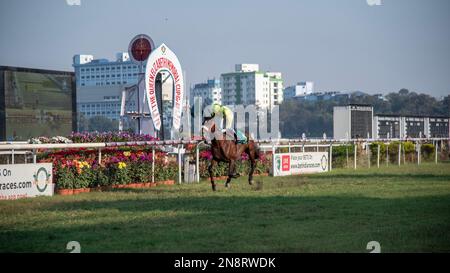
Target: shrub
(141, 171)
(166, 171)
(119, 174)
(427, 151)
(64, 178)
(102, 177)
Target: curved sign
(163, 59)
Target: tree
(315, 118)
(403, 91)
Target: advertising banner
(25, 180)
(300, 163)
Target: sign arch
(163, 59)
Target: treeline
(316, 117)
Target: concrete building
(357, 121)
(99, 85)
(300, 89)
(247, 85)
(352, 121)
(395, 126)
(210, 92)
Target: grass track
(406, 209)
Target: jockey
(224, 112)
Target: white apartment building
(210, 92)
(247, 85)
(300, 89)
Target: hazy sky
(338, 44)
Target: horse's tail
(257, 151)
(251, 143)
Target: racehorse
(227, 150)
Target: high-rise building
(300, 89)
(247, 85)
(210, 92)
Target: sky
(338, 44)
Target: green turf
(405, 209)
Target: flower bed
(129, 167)
(78, 170)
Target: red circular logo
(140, 48)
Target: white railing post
(355, 151)
(378, 156)
(418, 153)
(180, 147)
(153, 164)
(436, 152)
(197, 164)
(331, 157)
(273, 159)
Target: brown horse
(226, 150)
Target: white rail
(26, 146)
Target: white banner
(161, 59)
(300, 163)
(25, 180)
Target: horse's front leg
(210, 171)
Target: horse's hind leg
(252, 169)
(210, 171)
(252, 156)
(231, 172)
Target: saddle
(238, 136)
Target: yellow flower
(127, 153)
(122, 165)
